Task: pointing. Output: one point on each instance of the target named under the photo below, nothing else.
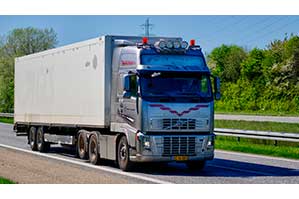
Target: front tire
(93, 151)
(196, 165)
(123, 155)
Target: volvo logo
(179, 123)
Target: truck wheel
(42, 146)
(123, 155)
(196, 165)
(32, 138)
(94, 156)
(82, 148)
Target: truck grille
(178, 146)
(178, 124)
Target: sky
(209, 31)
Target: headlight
(211, 141)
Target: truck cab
(164, 101)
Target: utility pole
(147, 26)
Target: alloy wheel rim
(123, 152)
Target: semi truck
(123, 98)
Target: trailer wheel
(42, 146)
(196, 165)
(123, 155)
(82, 145)
(93, 152)
(32, 138)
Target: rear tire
(93, 152)
(82, 145)
(42, 146)
(196, 165)
(32, 138)
(123, 155)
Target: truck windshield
(172, 60)
(176, 87)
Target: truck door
(129, 103)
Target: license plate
(180, 158)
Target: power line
(227, 26)
(250, 27)
(272, 31)
(256, 28)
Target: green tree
(268, 78)
(225, 62)
(252, 66)
(19, 42)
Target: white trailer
(98, 96)
(66, 86)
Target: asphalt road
(227, 167)
(258, 118)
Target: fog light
(147, 144)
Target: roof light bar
(170, 44)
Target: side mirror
(127, 86)
(127, 94)
(217, 88)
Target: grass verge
(5, 181)
(263, 147)
(261, 126)
(6, 120)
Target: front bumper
(204, 150)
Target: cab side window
(204, 84)
(133, 85)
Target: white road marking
(111, 170)
(257, 156)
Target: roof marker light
(144, 40)
(192, 42)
